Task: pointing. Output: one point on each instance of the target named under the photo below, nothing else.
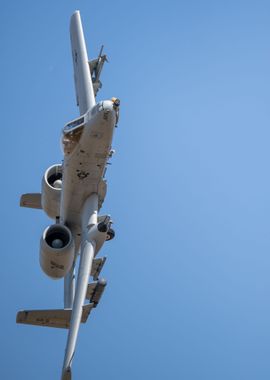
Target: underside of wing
(82, 76)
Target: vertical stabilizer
(82, 76)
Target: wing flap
(59, 318)
(95, 290)
(90, 290)
(97, 267)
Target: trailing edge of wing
(95, 291)
(97, 267)
(51, 318)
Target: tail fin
(82, 76)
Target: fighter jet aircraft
(72, 194)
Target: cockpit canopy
(72, 132)
(74, 125)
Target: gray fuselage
(86, 154)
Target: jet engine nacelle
(51, 191)
(57, 250)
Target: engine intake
(51, 191)
(57, 250)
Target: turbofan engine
(51, 191)
(56, 251)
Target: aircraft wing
(82, 76)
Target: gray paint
(78, 196)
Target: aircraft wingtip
(67, 374)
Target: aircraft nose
(107, 106)
(110, 105)
(116, 103)
(109, 109)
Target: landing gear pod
(56, 251)
(102, 232)
(110, 234)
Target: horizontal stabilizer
(97, 267)
(95, 290)
(31, 200)
(51, 318)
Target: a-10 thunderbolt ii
(72, 194)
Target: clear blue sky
(189, 189)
